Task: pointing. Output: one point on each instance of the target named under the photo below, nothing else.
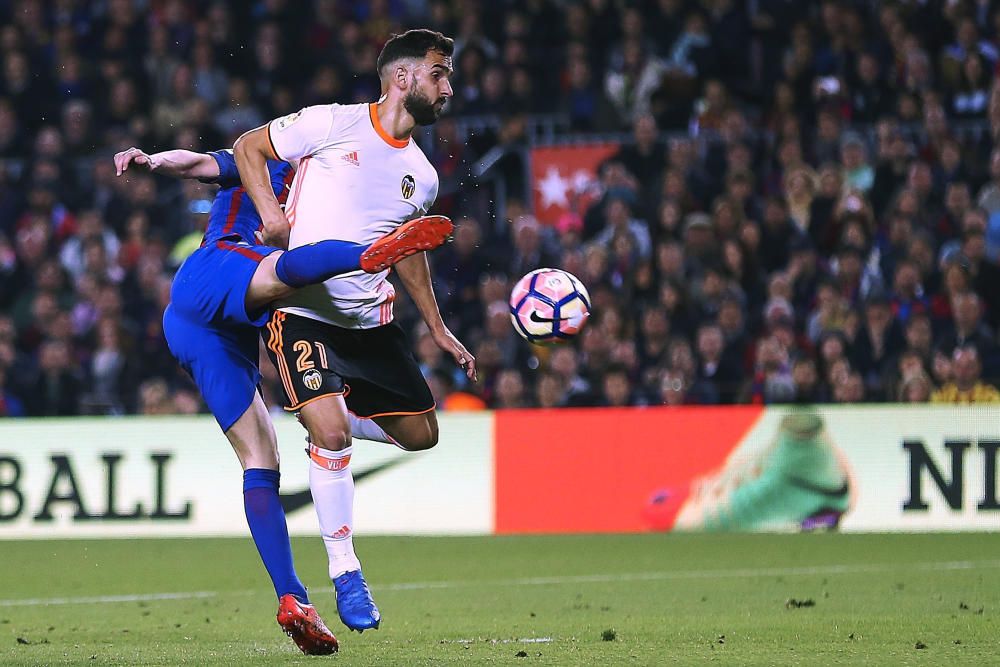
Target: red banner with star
(579, 482)
(564, 179)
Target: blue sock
(270, 533)
(318, 261)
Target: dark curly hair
(413, 44)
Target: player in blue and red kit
(218, 303)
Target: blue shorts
(209, 331)
(211, 286)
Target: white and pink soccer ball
(549, 306)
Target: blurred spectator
(714, 368)
(915, 388)
(616, 388)
(621, 223)
(111, 373)
(674, 389)
(645, 155)
(832, 347)
(585, 102)
(971, 94)
(631, 81)
(209, 80)
(967, 328)
(858, 173)
(549, 391)
(240, 115)
(966, 385)
(908, 297)
(808, 388)
(919, 335)
(173, 109)
(967, 43)
(529, 251)
(154, 398)
(989, 195)
(877, 344)
(850, 390)
(777, 232)
(56, 392)
(77, 259)
(186, 402)
(800, 189)
(872, 99)
(510, 390)
(772, 378)
(565, 367)
(691, 52)
(11, 404)
(440, 384)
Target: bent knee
(332, 439)
(265, 286)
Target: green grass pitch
(582, 600)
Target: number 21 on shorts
(304, 361)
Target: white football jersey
(354, 182)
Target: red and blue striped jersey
(233, 212)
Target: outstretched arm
(416, 276)
(252, 151)
(177, 163)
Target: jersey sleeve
(229, 175)
(302, 133)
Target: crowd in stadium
(806, 206)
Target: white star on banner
(553, 189)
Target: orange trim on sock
(332, 463)
(377, 124)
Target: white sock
(332, 486)
(367, 429)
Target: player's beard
(419, 106)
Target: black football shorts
(374, 369)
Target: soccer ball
(549, 306)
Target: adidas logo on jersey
(351, 158)
(342, 533)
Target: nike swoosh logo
(822, 490)
(535, 317)
(296, 500)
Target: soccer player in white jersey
(346, 367)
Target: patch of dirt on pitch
(792, 603)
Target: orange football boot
(415, 236)
(301, 622)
